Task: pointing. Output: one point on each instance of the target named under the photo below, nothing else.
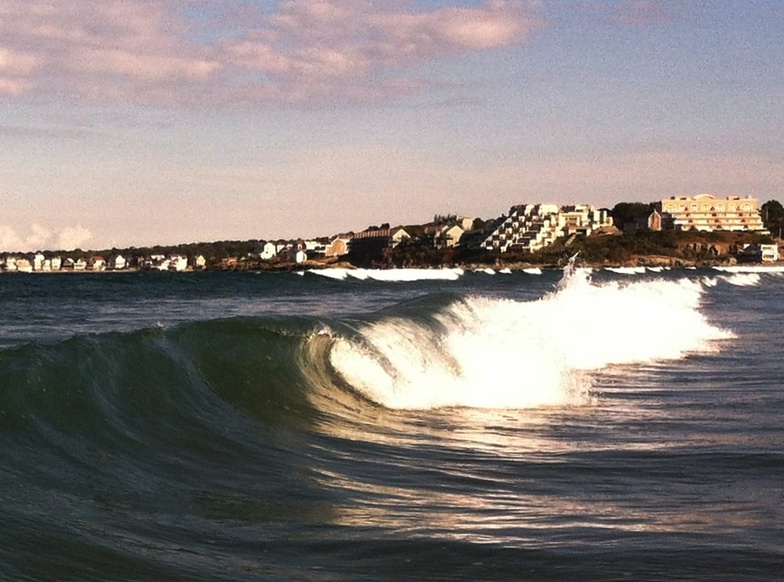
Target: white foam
(743, 279)
(391, 274)
(339, 274)
(533, 271)
(752, 269)
(626, 270)
(492, 353)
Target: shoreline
(657, 262)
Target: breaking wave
(442, 350)
(492, 353)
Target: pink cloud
(304, 51)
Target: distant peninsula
(679, 231)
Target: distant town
(673, 231)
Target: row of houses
(97, 263)
(375, 240)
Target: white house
(38, 262)
(315, 247)
(769, 252)
(96, 263)
(157, 263)
(199, 262)
(447, 237)
(178, 263)
(268, 251)
(118, 263)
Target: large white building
(707, 213)
(532, 227)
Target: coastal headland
(626, 236)
(650, 249)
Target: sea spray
(499, 353)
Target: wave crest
(494, 353)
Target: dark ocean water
(507, 426)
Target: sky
(139, 122)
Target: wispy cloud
(202, 52)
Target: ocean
(365, 425)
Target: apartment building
(532, 227)
(707, 213)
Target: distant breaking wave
(391, 274)
(408, 275)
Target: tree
(625, 212)
(773, 217)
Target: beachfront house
(315, 248)
(374, 241)
(338, 246)
(24, 266)
(268, 251)
(178, 263)
(118, 263)
(96, 263)
(447, 237)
